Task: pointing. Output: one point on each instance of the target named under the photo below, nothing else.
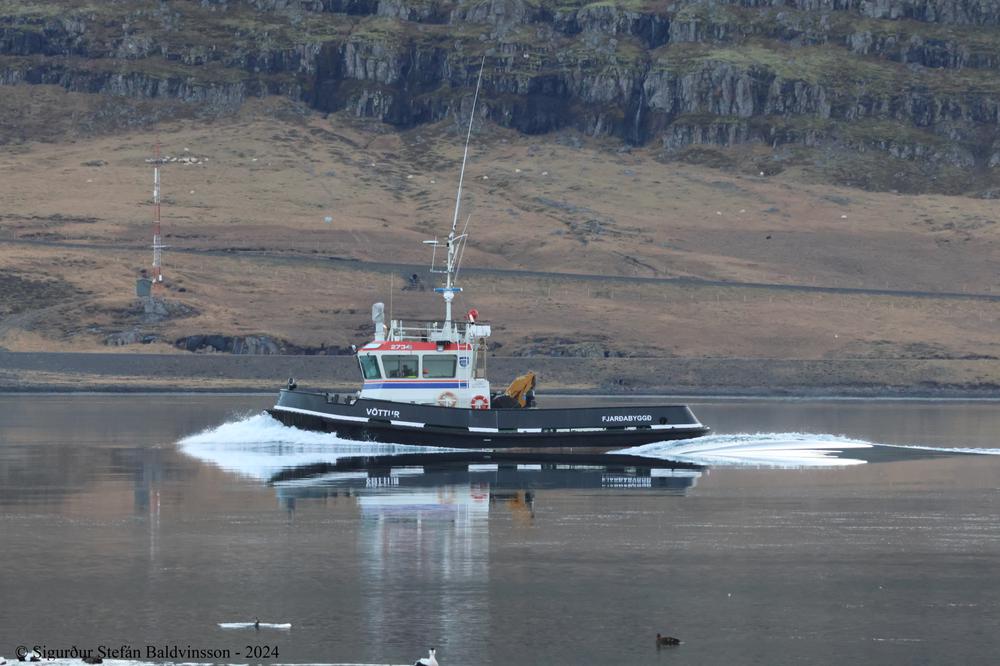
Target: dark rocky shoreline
(127, 373)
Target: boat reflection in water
(424, 533)
(455, 485)
(499, 473)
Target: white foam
(945, 449)
(258, 428)
(258, 446)
(786, 450)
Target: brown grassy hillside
(253, 255)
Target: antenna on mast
(454, 242)
(462, 243)
(465, 156)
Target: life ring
(480, 402)
(447, 399)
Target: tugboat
(425, 383)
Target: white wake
(784, 449)
(789, 450)
(945, 449)
(258, 446)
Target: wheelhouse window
(369, 366)
(400, 367)
(439, 366)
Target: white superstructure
(428, 363)
(433, 363)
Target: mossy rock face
(916, 81)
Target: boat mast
(449, 290)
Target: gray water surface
(111, 533)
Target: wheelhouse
(398, 361)
(427, 364)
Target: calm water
(112, 533)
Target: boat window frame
(423, 366)
(389, 375)
(374, 361)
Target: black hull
(427, 425)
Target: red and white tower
(158, 245)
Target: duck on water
(424, 382)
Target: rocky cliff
(910, 89)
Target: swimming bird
(666, 640)
(256, 622)
(427, 661)
(93, 660)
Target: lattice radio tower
(158, 245)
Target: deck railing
(434, 331)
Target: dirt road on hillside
(383, 267)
